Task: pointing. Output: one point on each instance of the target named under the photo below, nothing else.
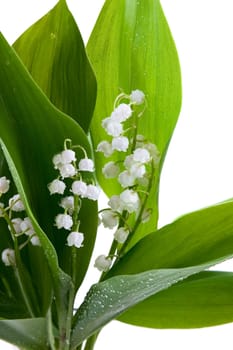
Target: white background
(199, 167)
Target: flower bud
(8, 257)
(111, 170)
(105, 147)
(103, 263)
(121, 235)
(137, 97)
(16, 204)
(4, 185)
(35, 241)
(26, 227)
(16, 222)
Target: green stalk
(16, 270)
(24, 293)
(90, 343)
(75, 227)
(139, 218)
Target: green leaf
(32, 130)
(193, 239)
(12, 308)
(200, 301)
(107, 300)
(53, 51)
(139, 53)
(28, 334)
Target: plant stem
(139, 218)
(24, 294)
(90, 343)
(16, 270)
(50, 330)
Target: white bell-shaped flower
(110, 170)
(68, 156)
(103, 263)
(67, 203)
(141, 155)
(112, 127)
(109, 219)
(57, 161)
(154, 152)
(16, 204)
(121, 235)
(67, 170)
(79, 188)
(137, 97)
(16, 222)
(64, 221)
(130, 200)
(121, 113)
(93, 192)
(138, 170)
(115, 203)
(4, 185)
(105, 147)
(8, 257)
(56, 186)
(126, 179)
(75, 239)
(120, 143)
(86, 164)
(26, 227)
(35, 240)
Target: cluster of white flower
(133, 173)
(18, 226)
(69, 168)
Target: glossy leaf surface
(107, 300)
(193, 239)
(28, 334)
(200, 301)
(139, 53)
(32, 131)
(53, 51)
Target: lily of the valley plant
(75, 121)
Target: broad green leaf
(139, 53)
(200, 301)
(12, 308)
(107, 300)
(28, 334)
(32, 130)
(53, 51)
(193, 239)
